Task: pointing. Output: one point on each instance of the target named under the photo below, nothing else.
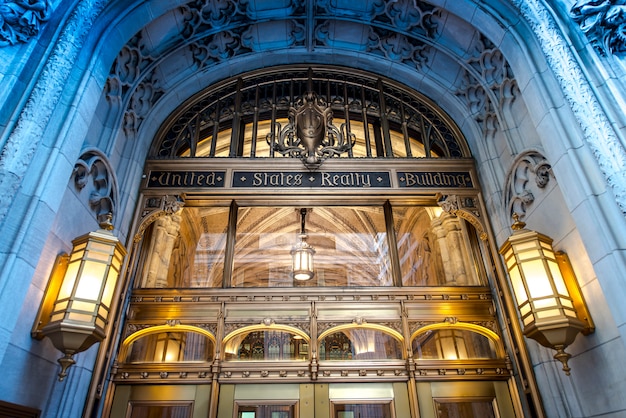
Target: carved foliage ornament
(21, 20)
(604, 24)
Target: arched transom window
(257, 116)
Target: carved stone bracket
(22, 20)
(464, 208)
(529, 174)
(604, 24)
(415, 325)
(211, 327)
(94, 177)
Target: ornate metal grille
(243, 117)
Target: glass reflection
(170, 347)
(186, 249)
(433, 248)
(360, 344)
(267, 345)
(453, 344)
(350, 245)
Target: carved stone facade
(607, 148)
(530, 172)
(20, 21)
(489, 87)
(604, 24)
(95, 179)
(535, 88)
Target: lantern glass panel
(549, 313)
(559, 283)
(525, 309)
(518, 286)
(90, 283)
(526, 249)
(79, 317)
(545, 303)
(99, 251)
(109, 288)
(83, 306)
(68, 282)
(78, 251)
(539, 284)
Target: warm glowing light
(544, 300)
(78, 316)
(302, 254)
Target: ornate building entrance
(311, 243)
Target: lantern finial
(517, 224)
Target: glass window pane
(170, 347)
(452, 344)
(350, 246)
(186, 249)
(433, 248)
(465, 409)
(266, 345)
(360, 344)
(161, 409)
(362, 410)
(265, 411)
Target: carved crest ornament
(310, 134)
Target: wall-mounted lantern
(547, 293)
(76, 305)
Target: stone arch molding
(529, 175)
(597, 130)
(139, 80)
(415, 35)
(95, 179)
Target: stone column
(165, 231)
(456, 259)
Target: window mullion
(393, 245)
(230, 245)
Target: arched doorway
(371, 180)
